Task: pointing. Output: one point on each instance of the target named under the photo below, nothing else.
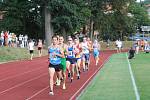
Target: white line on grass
(88, 80)
(133, 80)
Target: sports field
(114, 81)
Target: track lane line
(22, 83)
(133, 80)
(20, 74)
(72, 97)
(29, 98)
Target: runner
(96, 49)
(71, 60)
(31, 48)
(40, 46)
(85, 54)
(63, 60)
(78, 57)
(55, 55)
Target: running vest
(95, 47)
(78, 55)
(55, 60)
(85, 48)
(71, 53)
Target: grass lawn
(9, 53)
(113, 82)
(141, 69)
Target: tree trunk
(91, 29)
(48, 27)
(64, 34)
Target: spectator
(40, 46)
(2, 38)
(131, 53)
(31, 48)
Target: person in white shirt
(119, 46)
(2, 38)
(25, 40)
(31, 48)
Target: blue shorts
(96, 54)
(86, 57)
(71, 60)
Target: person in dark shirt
(131, 53)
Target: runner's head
(61, 39)
(70, 40)
(84, 39)
(55, 40)
(76, 41)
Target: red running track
(29, 80)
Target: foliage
(110, 17)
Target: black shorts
(71, 60)
(39, 48)
(56, 67)
(31, 51)
(142, 45)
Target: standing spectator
(2, 38)
(137, 46)
(147, 47)
(131, 53)
(6, 38)
(25, 40)
(13, 39)
(119, 46)
(9, 39)
(20, 39)
(40, 46)
(142, 43)
(108, 43)
(31, 48)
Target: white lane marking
(88, 79)
(37, 93)
(22, 83)
(20, 74)
(133, 80)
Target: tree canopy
(112, 18)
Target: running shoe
(71, 80)
(78, 77)
(58, 82)
(51, 93)
(64, 86)
(69, 75)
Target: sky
(139, 0)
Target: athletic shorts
(78, 59)
(56, 67)
(63, 64)
(71, 60)
(31, 51)
(39, 48)
(96, 54)
(142, 45)
(86, 57)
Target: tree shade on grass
(113, 82)
(141, 69)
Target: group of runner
(67, 57)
